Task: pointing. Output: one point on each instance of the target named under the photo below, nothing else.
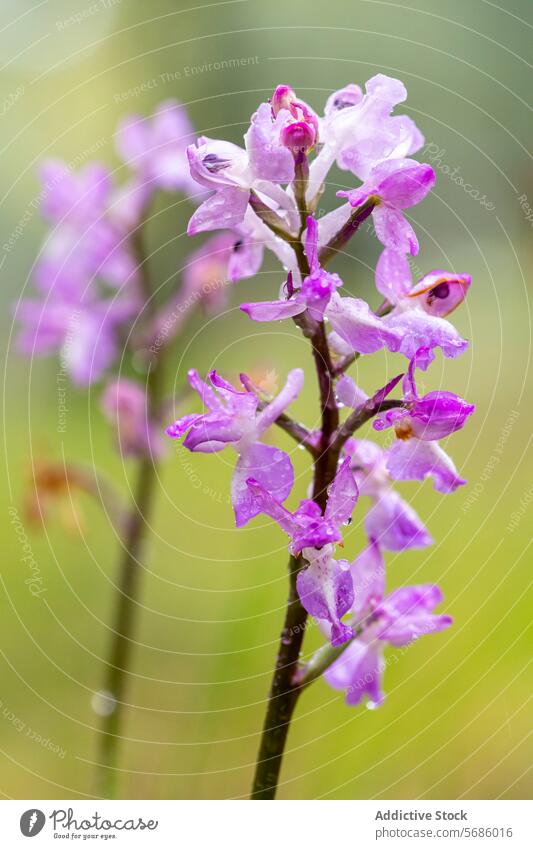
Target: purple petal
(212, 432)
(393, 276)
(238, 404)
(368, 575)
(267, 504)
(345, 97)
(416, 460)
(353, 320)
(273, 476)
(417, 330)
(182, 425)
(394, 231)
(207, 395)
(342, 495)
(359, 671)
(218, 164)
(245, 259)
(440, 292)
(269, 159)
(317, 290)
(224, 209)
(348, 393)
(394, 523)
(407, 614)
(326, 592)
(289, 393)
(273, 310)
(402, 183)
(438, 414)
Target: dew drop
(103, 703)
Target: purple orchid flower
(399, 184)
(124, 404)
(356, 326)
(86, 241)
(85, 331)
(358, 131)
(155, 150)
(434, 416)
(233, 419)
(324, 586)
(232, 172)
(390, 520)
(418, 425)
(313, 295)
(397, 620)
(419, 311)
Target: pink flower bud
(283, 98)
(299, 136)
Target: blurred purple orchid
(155, 148)
(84, 331)
(86, 241)
(124, 404)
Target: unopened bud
(282, 98)
(299, 136)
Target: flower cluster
(91, 301)
(268, 191)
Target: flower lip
(440, 292)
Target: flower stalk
(126, 598)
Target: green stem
(283, 694)
(318, 664)
(124, 616)
(285, 690)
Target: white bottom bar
(259, 825)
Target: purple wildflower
(397, 184)
(86, 242)
(313, 295)
(418, 425)
(234, 419)
(155, 149)
(124, 405)
(358, 131)
(397, 619)
(390, 520)
(324, 586)
(419, 311)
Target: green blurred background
(455, 721)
